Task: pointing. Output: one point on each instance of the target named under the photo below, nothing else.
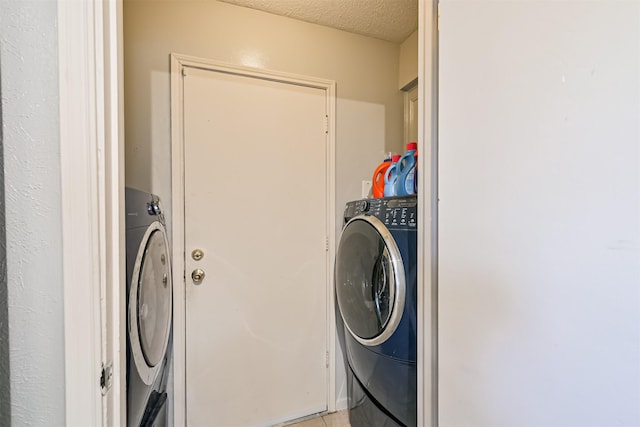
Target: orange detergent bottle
(378, 178)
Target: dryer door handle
(380, 285)
(376, 299)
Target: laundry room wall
(408, 71)
(369, 104)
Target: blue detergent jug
(405, 169)
(390, 177)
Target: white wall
(408, 73)
(29, 81)
(539, 213)
(369, 105)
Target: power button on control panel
(363, 206)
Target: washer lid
(370, 280)
(150, 303)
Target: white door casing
(92, 189)
(428, 40)
(235, 199)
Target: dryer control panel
(399, 211)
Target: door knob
(197, 275)
(197, 254)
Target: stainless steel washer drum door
(150, 303)
(370, 280)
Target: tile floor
(337, 419)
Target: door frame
(92, 204)
(428, 30)
(78, 27)
(178, 63)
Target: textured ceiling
(392, 20)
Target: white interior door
(255, 192)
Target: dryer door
(370, 280)
(150, 303)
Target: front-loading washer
(376, 295)
(149, 309)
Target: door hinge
(326, 243)
(438, 17)
(184, 72)
(327, 359)
(106, 377)
(326, 124)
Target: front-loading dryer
(376, 294)
(149, 309)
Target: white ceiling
(392, 20)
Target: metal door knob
(197, 275)
(197, 254)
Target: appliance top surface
(399, 212)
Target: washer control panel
(400, 211)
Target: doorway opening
(370, 115)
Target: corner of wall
(408, 69)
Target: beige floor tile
(337, 419)
(314, 422)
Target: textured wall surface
(29, 82)
(5, 389)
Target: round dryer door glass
(366, 279)
(154, 299)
